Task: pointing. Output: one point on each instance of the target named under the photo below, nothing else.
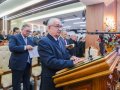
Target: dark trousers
(21, 75)
(47, 84)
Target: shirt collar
(55, 37)
(23, 36)
(62, 38)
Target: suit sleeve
(49, 59)
(14, 47)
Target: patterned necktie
(25, 39)
(60, 44)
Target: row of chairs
(6, 75)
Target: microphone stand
(90, 57)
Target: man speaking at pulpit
(53, 55)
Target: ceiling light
(40, 8)
(67, 27)
(71, 19)
(83, 18)
(20, 7)
(82, 25)
(56, 13)
(79, 22)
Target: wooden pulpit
(99, 74)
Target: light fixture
(67, 27)
(79, 22)
(83, 18)
(55, 3)
(20, 7)
(82, 25)
(81, 28)
(56, 13)
(71, 19)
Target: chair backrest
(92, 51)
(34, 61)
(4, 57)
(4, 48)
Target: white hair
(51, 21)
(63, 31)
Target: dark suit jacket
(81, 48)
(73, 51)
(36, 40)
(19, 56)
(1, 37)
(53, 58)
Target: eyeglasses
(28, 31)
(57, 26)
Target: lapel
(22, 40)
(62, 45)
(63, 41)
(54, 42)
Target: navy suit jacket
(53, 56)
(19, 56)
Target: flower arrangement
(109, 40)
(118, 39)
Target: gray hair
(24, 26)
(62, 31)
(51, 21)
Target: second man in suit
(20, 61)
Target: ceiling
(12, 4)
(76, 16)
(7, 5)
(1, 1)
(64, 16)
(90, 2)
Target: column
(95, 19)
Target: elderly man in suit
(20, 61)
(53, 55)
(63, 36)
